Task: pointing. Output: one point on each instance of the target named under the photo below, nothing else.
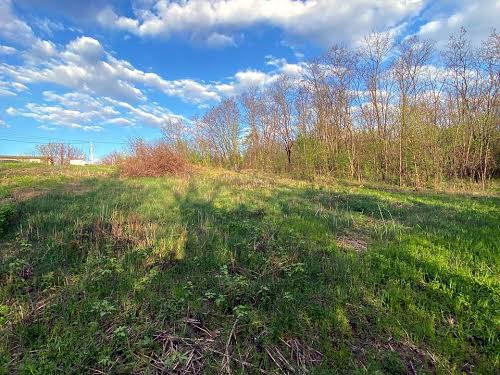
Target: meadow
(243, 273)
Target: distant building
(27, 159)
(77, 162)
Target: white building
(77, 162)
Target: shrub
(152, 160)
(6, 212)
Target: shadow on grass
(113, 270)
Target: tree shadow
(115, 264)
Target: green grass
(225, 272)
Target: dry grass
(351, 243)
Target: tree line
(402, 112)
(399, 112)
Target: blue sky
(104, 71)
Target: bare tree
(413, 55)
(219, 131)
(60, 153)
(282, 94)
(390, 109)
(376, 90)
(113, 158)
(342, 69)
(176, 134)
(489, 101)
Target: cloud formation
(322, 21)
(476, 16)
(82, 111)
(84, 65)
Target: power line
(63, 139)
(60, 140)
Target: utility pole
(91, 153)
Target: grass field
(225, 272)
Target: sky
(105, 71)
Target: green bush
(6, 212)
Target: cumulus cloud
(252, 78)
(84, 65)
(71, 110)
(477, 16)
(11, 111)
(146, 114)
(84, 49)
(6, 50)
(18, 32)
(58, 115)
(12, 28)
(322, 21)
(82, 111)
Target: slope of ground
(224, 272)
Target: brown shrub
(152, 160)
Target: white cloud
(11, 111)
(47, 128)
(48, 26)
(82, 111)
(216, 39)
(120, 121)
(85, 49)
(18, 32)
(39, 52)
(83, 102)
(58, 115)
(10, 88)
(19, 86)
(3, 124)
(477, 16)
(12, 28)
(252, 78)
(71, 110)
(6, 92)
(323, 21)
(6, 50)
(147, 114)
(84, 65)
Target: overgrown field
(224, 272)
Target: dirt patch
(76, 188)
(352, 242)
(22, 195)
(121, 230)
